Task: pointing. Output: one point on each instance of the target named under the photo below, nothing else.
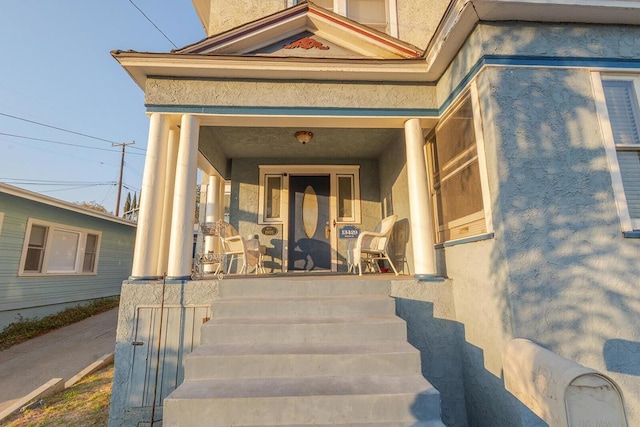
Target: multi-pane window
(456, 178)
(59, 249)
(621, 98)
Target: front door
(309, 223)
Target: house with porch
(502, 134)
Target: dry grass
(85, 404)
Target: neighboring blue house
(55, 254)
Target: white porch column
(420, 206)
(212, 214)
(184, 200)
(167, 208)
(221, 189)
(145, 256)
(212, 210)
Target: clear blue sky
(56, 69)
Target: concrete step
(300, 287)
(325, 306)
(301, 360)
(257, 330)
(294, 401)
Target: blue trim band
(514, 60)
(631, 234)
(560, 61)
(179, 279)
(289, 111)
(466, 240)
(429, 278)
(144, 278)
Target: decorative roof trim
(301, 17)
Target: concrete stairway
(298, 352)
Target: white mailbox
(560, 391)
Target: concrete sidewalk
(59, 354)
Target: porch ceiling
(327, 143)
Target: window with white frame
(51, 248)
(272, 209)
(346, 198)
(1, 221)
(273, 189)
(378, 14)
(619, 118)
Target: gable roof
(306, 20)
(50, 201)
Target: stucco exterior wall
(539, 40)
(558, 271)
(418, 20)
(288, 93)
(394, 193)
(244, 201)
(134, 365)
(572, 276)
(225, 15)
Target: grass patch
(25, 328)
(85, 404)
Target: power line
(55, 127)
(62, 143)
(152, 23)
(53, 182)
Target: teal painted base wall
(42, 295)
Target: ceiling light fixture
(303, 136)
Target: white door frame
(311, 170)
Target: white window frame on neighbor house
(1, 221)
(341, 7)
(628, 224)
(47, 263)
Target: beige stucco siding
(225, 15)
(418, 20)
(288, 94)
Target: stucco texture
(418, 20)
(559, 271)
(225, 15)
(538, 40)
(394, 193)
(288, 93)
(136, 295)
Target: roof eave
(41, 198)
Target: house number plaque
(269, 230)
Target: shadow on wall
(439, 342)
(622, 356)
(561, 272)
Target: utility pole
(123, 145)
